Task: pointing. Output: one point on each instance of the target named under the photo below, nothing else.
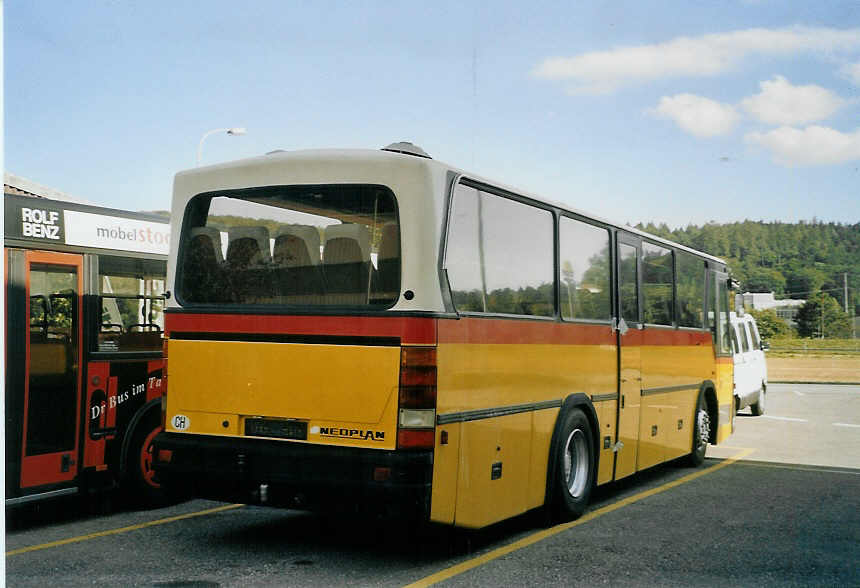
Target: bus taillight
(417, 398)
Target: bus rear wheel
(701, 432)
(574, 467)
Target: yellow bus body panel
(480, 376)
(725, 397)
(667, 418)
(349, 389)
(606, 410)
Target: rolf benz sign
(49, 221)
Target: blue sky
(671, 112)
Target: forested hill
(793, 260)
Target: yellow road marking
(824, 469)
(122, 529)
(541, 535)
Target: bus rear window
(308, 246)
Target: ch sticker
(181, 422)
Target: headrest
(259, 234)
(214, 237)
(308, 234)
(356, 232)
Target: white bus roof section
(411, 179)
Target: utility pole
(821, 321)
(845, 290)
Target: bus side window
(691, 289)
(657, 284)
(131, 292)
(584, 268)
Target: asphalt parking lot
(778, 504)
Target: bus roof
(396, 156)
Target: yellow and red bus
(83, 331)
(379, 331)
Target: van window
(499, 255)
(744, 334)
(309, 246)
(750, 337)
(736, 348)
(756, 340)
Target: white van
(750, 364)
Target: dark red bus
(84, 320)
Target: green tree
(822, 317)
(762, 279)
(770, 325)
(803, 281)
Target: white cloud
(599, 72)
(813, 145)
(780, 103)
(851, 72)
(699, 116)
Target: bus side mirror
(765, 346)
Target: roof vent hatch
(407, 148)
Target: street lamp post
(230, 131)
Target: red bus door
(51, 416)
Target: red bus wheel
(140, 473)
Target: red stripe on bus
(675, 337)
(410, 330)
(512, 331)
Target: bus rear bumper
(297, 475)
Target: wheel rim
(704, 429)
(576, 463)
(146, 458)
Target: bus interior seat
(346, 263)
(297, 246)
(248, 247)
(208, 240)
(248, 259)
(202, 267)
(296, 259)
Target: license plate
(279, 429)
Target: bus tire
(701, 432)
(140, 476)
(574, 467)
(757, 408)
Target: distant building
(19, 186)
(786, 308)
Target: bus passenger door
(51, 404)
(629, 355)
